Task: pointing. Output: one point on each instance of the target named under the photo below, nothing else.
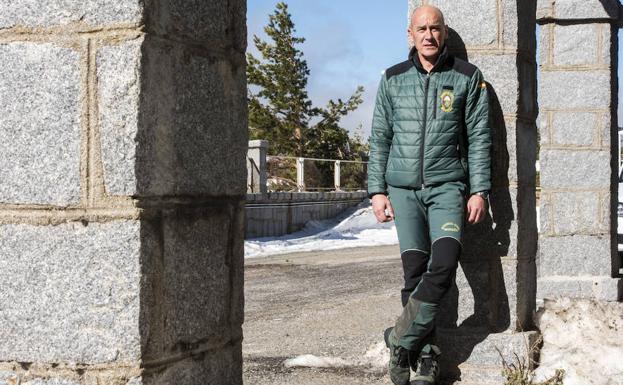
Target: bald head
(427, 9)
(428, 32)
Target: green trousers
(429, 223)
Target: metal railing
(253, 172)
(336, 164)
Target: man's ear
(410, 40)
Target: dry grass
(519, 372)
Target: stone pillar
(577, 244)
(496, 282)
(122, 144)
(256, 166)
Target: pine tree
(280, 110)
(326, 139)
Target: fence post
(300, 174)
(256, 166)
(337, 172)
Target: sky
(349, 43)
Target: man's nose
(428, 34)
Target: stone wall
(122, 184)
(279, 213)
(496, 283)
(498, 36)
(577, 102)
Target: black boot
(398, 359)
(428, 367)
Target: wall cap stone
(258, 143)
(551, 10)
(294, 197)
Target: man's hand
(476, 209)
(380, 203)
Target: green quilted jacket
(430, 128)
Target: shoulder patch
(398, 69)
(463, 67)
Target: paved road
(329, 304)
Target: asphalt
(328, 304)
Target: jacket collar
(441, 59)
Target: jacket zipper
(435, 104)
(424, 128)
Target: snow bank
(356, 227)
(584, 338)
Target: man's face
(428, 32)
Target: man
(429, 153)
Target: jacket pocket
(464, 166)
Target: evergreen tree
(280, 110)
(326, 139)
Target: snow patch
(311, 361)
(374, 359)
(356, 227)
(584, 338)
